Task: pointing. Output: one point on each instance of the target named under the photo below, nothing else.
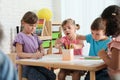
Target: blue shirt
(96, 46)
(7, 69)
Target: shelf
(56, 23)
(45, 37)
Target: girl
(69, 29)
(111, 18)
(29, 46)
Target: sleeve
(7, 69)
(18, 39)
(88, 38)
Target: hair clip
(114, 14)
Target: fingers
(102, 53)
(37, 55)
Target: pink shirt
(65, 40)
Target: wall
(11, 12)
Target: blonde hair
(72, 22)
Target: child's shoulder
(20, 34)
(35, 35)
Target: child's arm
(79, 45)
(21, 54)
(81, 37)
(103, 55)
(58, 43)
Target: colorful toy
(39, 28)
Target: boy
(98, 40)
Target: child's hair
(112, 16)
(30, 17)
(72, 22)
(98, 24)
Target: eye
(30, 24)
(64, 29)
(69, 28)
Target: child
(29, 46)
(111, 18)
(69, 29)
(98, 40)
(7, 69)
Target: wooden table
(55, 61)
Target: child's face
(69, 29)
(98, 34)
(29, 28)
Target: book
(92, 58)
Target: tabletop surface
(56, 59)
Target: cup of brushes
(67, 52)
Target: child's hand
(77, 46)
(58, 43)
(72, 37)
(102, 54)
(37, 55)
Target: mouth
(67, 33)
